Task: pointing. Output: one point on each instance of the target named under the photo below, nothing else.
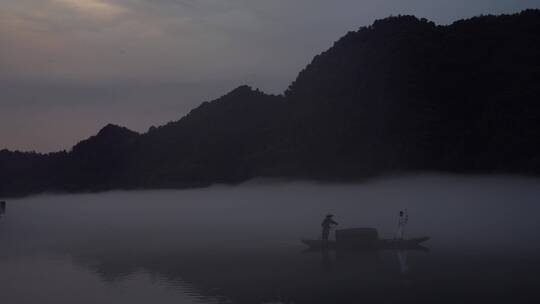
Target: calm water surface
(241, 244)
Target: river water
(241, 244)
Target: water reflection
(402, 258)
(288, 275)
(2, 209)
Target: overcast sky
(68, 67)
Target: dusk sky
(69, 67)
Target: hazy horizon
(69, 67)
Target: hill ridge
(399, 95)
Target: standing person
(403, 220)
(326, 225)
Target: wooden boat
(381, 244)
(364, 238)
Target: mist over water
(241, 244)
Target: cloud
(94, 8)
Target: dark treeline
(402, 94)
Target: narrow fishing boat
(365, 238)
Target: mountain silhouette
(401, 95)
